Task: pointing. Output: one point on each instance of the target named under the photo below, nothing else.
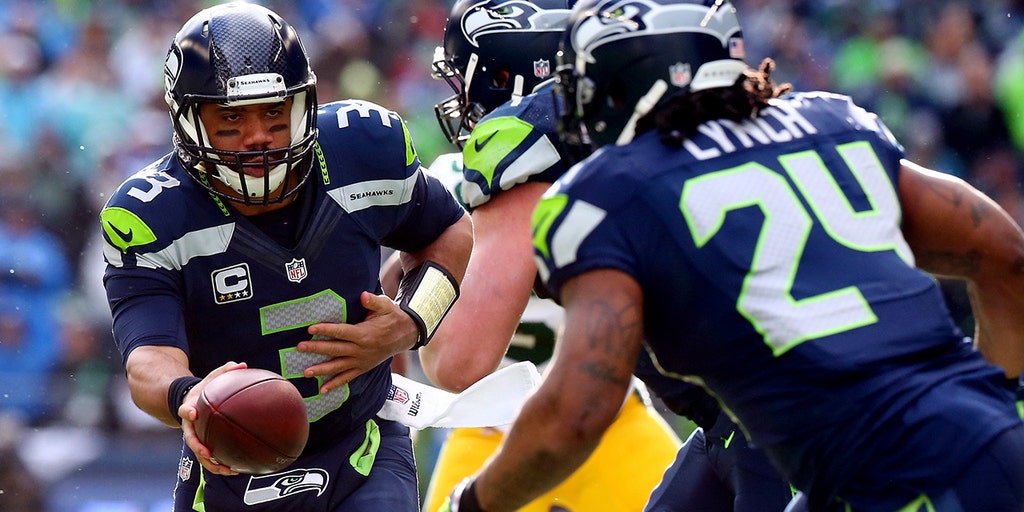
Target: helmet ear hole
(617, 93)
(501, 77)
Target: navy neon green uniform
(186, 271)
(856, 382)
(716, 469)
(513, 144)
(517, 143)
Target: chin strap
(427, 293)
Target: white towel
(492, 401)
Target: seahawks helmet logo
(515, 15)
(172, 67)
(622, 19)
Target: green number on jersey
(325, 306)
(783, 320)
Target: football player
(258, 243)
(775, 248)
(492, 70)
(494, 54)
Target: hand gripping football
(252, 420)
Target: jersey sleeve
(143, 255)
(146, 308)
(514, 144)
(370, 167)
(432, 210)
(583, 223)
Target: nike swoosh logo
(728, 440)
(479, 144)
(126, 236)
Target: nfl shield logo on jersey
(185, 469)
(296, 270)
(541, 68)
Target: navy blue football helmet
(493, 51)
(241, 54)
(620, 58)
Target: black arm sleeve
(146, 308)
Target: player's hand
(357, 348)
(189, 412)
(462, 498)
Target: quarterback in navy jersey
(773, 249)
(258, 243)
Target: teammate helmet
(619, 58)
(241, 54)
(494, 50)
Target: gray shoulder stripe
(205, 242)
(365, 194)
(539, 157)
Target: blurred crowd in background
(81, 108)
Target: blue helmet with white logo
(238, 54)
(620, 58)
(494, 50)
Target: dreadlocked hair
(678, 118)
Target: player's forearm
(996, 287)
(475, 335)
(556, 431)
(473, 338)
(997, 306)
(544, 448)
(458, 357)
(150, 372)
(957, 231)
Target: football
(252, 420)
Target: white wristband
(427, 293)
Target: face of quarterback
(259, 132)
(249, 128)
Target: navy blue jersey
(775, 272)
(184, 270)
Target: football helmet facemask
(494, 50)
(241, 54)
(619, 58)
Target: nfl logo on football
(296, 270)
